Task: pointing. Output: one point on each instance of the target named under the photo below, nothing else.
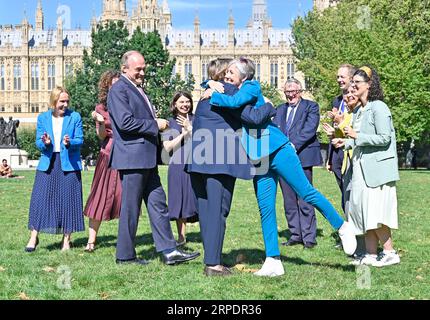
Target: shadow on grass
(287, 234)
(102, 242)
(257, 256)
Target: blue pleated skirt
(56, 201)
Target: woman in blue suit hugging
(56, 200)
(267, 143)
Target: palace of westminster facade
(33, 60)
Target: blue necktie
(289, 120)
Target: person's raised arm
(252, 116)
(247, 94)
(100, 125)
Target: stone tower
(39, 17)
(114, 10)
(146, 15)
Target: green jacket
(377, 141)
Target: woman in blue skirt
(56, 200)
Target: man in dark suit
(134, 154)
(217, 160)
(299, 119)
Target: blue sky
(282, 12)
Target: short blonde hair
(55, 95)
(217, 69)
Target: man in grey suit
(299, 119)
(134, 155)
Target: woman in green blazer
(373, 200)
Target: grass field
(320, 273)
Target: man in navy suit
(217, 160)
(299, 119)
(134, 154)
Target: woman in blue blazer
(56, 200)
(267, 143)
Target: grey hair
(294, 80)
(126, 56)
(245, 66)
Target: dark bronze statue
(8, 132)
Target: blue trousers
(300, 215)
(285, 163)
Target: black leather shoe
(309, 245)
(179, 256)
(291, 243)
(32, 249)
(135, 260)
(210, 272)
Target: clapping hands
(97, 117)
(185, 123)
(349, 132)
(335, 115)
(66, 140)
(338, 142)
(46, 139)
(329, 130)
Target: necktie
(151, 108)
(290, 119)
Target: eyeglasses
(357, 82)
(292, 91)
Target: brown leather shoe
(214, 272)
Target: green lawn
(321, 273)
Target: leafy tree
(272, 93)
(391, 36)
(109, 42)
(160, 84)
(26, 138)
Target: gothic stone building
(34, 59)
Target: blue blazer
(70, 156)
(259, 140)
(303, 131)
(135, 130)
(209, 119)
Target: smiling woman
(56, 200)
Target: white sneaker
(367, 259)
(272, 267)
(349, 242)
(387, 259)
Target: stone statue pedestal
(16, 158)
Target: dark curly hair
(176, 97)
(105, 83)
(375, 91)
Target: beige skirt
(370, 208)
